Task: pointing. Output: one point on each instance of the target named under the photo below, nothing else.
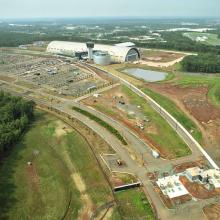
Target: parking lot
(51, 73)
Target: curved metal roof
(118, 53)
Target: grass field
(166, 138)
(133, 205)
(63, 180)
(48, 187)
(211, 39)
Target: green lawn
(166, 138)
(45, 189)
(134, 205)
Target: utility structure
(90, 46)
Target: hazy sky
(88, 8)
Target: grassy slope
(171, 107)
(102, 123)
(166, 138)
(46, 192)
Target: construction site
(143, 152)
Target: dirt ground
(198, 190)
(194, 102)
(160, 56)
(62, 129)
(212, 212)
(33, 177)
(87, 209)
(182, 167)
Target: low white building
(212, 176)
(172, 187)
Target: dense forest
(204, 63)
(16, 114)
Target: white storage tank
(155, 154)
(102, 58)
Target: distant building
(126, 44)
(118, 54)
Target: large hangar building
(118, 53)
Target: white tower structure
(90, 47)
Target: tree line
(16, 114)
(204, 63)
(173, 41)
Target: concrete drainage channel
(127, 186)
(182, 132)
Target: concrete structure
(211, 176)
(193, 173)
(90, 47)
(102, 58)
(172, 187)
(118, 54)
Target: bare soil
(62, 129)
(33, 178)
(161, 56)
(194, 102)
(86, 211)
(212, 212)
(182, 167)
(198, 190)
(7, 78)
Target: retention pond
(147, 75)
